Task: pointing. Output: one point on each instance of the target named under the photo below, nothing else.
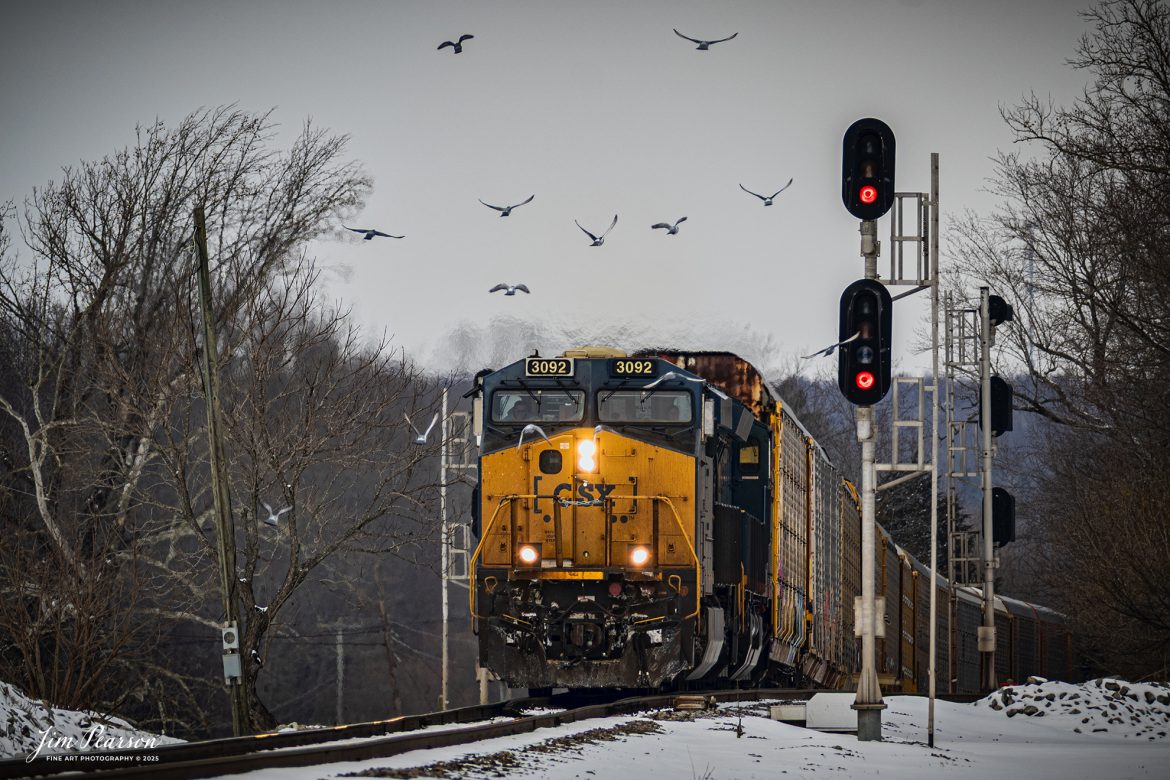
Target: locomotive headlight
(528, 554)
(586, 455)
(639, 555)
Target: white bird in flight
(703, 45)
(273, 518)
(507, 210)
(669, 375)
(511, 288)
(767, 198)
(670, 229)
(369, 233)
(421, 438)
(827, 351)
(599, 240)
(456, 46)
(533, 429)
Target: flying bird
(671, 230)
(703, 45)
(669, 375)
(767, 198)
(827, 351)
(511, 288)
(456, 46)
(507, 210)
(421, 438)
(599, 240)
(273, 518)
(369, 233)
(534, 430)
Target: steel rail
(208, 759)
(234, 746)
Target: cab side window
(749, 457)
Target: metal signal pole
(221, 500)
(868, 701)
(987, 630)
(934, 265)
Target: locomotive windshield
(543, 405)
(641, 406)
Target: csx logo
(564, 490)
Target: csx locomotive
(662, 519)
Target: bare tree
(109, 411)
(1078, 248)
(316, 428)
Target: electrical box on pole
(863, 364)
(1003, 516)
(867, 168)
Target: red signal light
(867, 194)
(864, 380)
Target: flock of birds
(596, 239)
(671, 229)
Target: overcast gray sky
(597, 108)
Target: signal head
(999, 311)
(863, 365)
(867, 168)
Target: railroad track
(377, 739)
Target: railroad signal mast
(995, 418)
(863, 372)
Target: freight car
(663, 519)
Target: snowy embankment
(1105, 706)
(1093, 731)
(25, 723)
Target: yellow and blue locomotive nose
(587, 498)
(586, 568)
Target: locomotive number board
(631, 367)
(548, 366)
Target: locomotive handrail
(691, 549)
(487, 529)
(515, 497)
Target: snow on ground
(1105, 706)
(24, 723)
(740, 742)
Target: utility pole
(221, 500)
(987, 630)
(340, 645)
